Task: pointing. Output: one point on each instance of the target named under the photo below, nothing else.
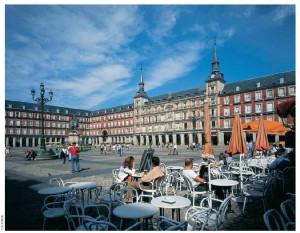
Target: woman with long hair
(127, 170)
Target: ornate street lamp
(42, 100)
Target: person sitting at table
(30, 154)
(156, 172)
(282, 161)
(228, 157)
(127, 170)
(188, 172)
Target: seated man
(156, 172)
(281, 161)
(192, 176)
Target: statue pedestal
(74, 137)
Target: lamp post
(194, 119)
(42, 100)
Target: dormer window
(23, 106)
(36, 108)
(57, 110)
(237, 88)
(258, 84)
(66, 111)
(10, 106)
(281, 80)
(86, 114)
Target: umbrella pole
(241, 175)
(209, 186)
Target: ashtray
(168, 200)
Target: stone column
(6, 141)
(142, 140)
(147, 140)
(221, 138)
(200, 138)
(276, 138)
(182, 139)
(191, 138)
(33, 142)
(39, 142)
(160, 139)
(27, 142)
(174, 139)
(134, 140)
(21, 142)
(14, 142)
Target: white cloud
(282, 12)
(175, 65)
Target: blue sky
(90, 55)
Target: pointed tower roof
(141, 92)
(215, 61)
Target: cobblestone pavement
(24, 178)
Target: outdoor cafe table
(180, 202)
(135, 211)
(137, 176)
(175, 168)
(54, 190)
(82, 186)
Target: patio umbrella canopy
(262, 142)
(237, 144)
(287, 108)
(271, 127)
(208, 150)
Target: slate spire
(215, 61)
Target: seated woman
(127, 170)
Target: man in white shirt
(192, 176)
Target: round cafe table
(180, 202)
(135, 211)
(174, 168)
(83, 185)
(54, 190)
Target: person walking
(74, 152)
(120, 149)
(175, 149)
(63, 155)
(7, 150)
(250, 148)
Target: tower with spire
(141, 92)
(215, 73)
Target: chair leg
(44, 223)
(245, 200)
(193, 199)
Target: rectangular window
(270, 94)
(18, 123)
(11, 131)
(213, 124)
(30, 123)
(226, 111)
(258, 95)
(248, 119)
(18, 131)
(31, 131)
(248, 109)
(257, 108)
(269, 107)
(37, 123)
(237, 98)
(237, 109)
(292, 90)
(24, 131)
(226, 100)
(24, 114)
(247, 97)
(11, 123)
(281, 92)
(227, 124)
(270, 118)
(24, 123)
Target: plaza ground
(24, 178)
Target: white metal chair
(94, 225)
(274, 221)
(115, 173)
(260, 194)
(288, 210)
(169, 183)
(216, 218)
(155, 188)
(53, 207)
(197, 218)
(54, 182)
(167, 224)
(191, 189)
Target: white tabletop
(181, 202)
(135, 210)
(138, 175)
(84, 185)
(174, 168)
(223, 182)
(54, 190)
(244, 173)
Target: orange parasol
(262, 142)
(287, 108)
(271, 127)
(237, 144)
(208, 150)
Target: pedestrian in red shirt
(74, 153)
